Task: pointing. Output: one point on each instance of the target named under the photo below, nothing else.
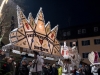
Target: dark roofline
(80, 25)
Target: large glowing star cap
(93, 57)
(33, 34)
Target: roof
(73, 31)
(81, 25)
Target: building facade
(87, 38)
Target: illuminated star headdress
(33, 34)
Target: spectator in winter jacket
(6, 67)
(23, 70)
(59, 70)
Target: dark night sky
(61, 12)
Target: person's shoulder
(99, 69)
(39, 56)
(5, 65)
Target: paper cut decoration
(21, 30)
(34, 35)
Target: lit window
(83, 30)
(79, 31)
(68, 33)
(95, 29)
(85, 42)
(96, 41)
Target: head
(24, 62)
(12, 58)
(35, 54)
(59, 65)
(83, 65)
(30, 62)
(2, 53)
(9, 60)
(80, 70)
(53, 65)
(75, 67)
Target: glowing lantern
(36, 37)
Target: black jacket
(6, 69)
(23, 70)
(98, 71)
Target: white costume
(40, 62)
(66, 68)
(72, 54)
(93, 57)
(94, 70)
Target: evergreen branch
(8, 73)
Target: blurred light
(32, 55)
(6, 1)
(2, 5)
(15, 51)
(40, 26)
(18, 52)
(5, 50)
(49, 58)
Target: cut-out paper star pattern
(33, 34)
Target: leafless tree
(8, 11)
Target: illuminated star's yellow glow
(2, 5)
(40, 26)
(6, 1)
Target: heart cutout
(41, 41)
(52, 35)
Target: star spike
(48, 23)
(55, 29)
(40, 16)
(48, 28)
(31, 20)
(40, 23)
(30, 17)
(18, 8)
(20, 16)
